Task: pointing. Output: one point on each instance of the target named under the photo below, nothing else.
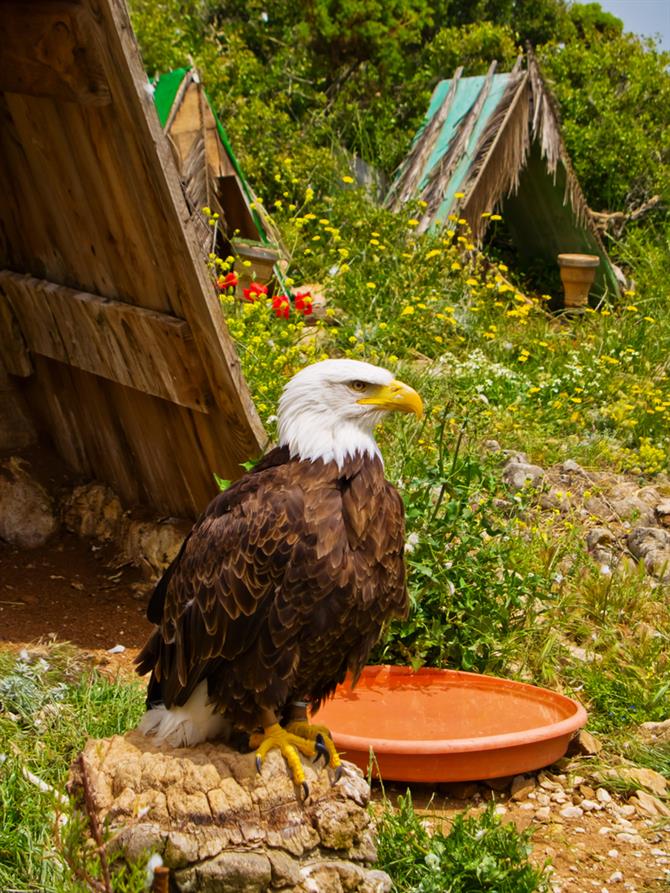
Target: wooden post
(161, 882)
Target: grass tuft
(480, 854)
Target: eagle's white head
(329, 410)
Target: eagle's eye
(358, 385)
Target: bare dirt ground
(593, 852)
(72, 590)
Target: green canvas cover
(542, 203)
(166, 88)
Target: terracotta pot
(577, 274)
(446, 725)
(262, 257)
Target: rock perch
(220, 827)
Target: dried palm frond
(411, 170)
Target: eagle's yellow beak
(395, 396)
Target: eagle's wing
(248, 574)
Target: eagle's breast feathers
(283, 585)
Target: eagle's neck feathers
(321, 434)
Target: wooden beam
(51, 49)
(142, 349)
(13, 348)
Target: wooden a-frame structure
(109, 324)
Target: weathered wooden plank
(151, 352)
(13, 350)
(50, 49)
(131, 440)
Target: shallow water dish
(445, 725)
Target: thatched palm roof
(495, 141)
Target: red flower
(254, 292)
(304, 303)
(281, 306)
(228, 281)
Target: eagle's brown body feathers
(282, 586)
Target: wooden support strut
(142, 349)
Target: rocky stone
(572, 812)
(93, 510)
(152, 545)
(643, 540)
(27, 518)
(599, 537)
(643, 778)
(589, 805)
(662, 513)
(522, 786)
(543, 814)
(518, 475)
(500, 784)
(459, 790)
(515, 456)
(647, 803)
(657, 562)
(222, 828)
(628, 837)
(603, 796)
(572, 467)
(656, 731)
(584, 743)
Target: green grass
(478, 855)
(51, 701)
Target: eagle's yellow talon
(320, 735)
(289, 744)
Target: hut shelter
(494, 142)
(213, 178)
(110, 327)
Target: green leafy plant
(479, 854)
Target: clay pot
(577, 274)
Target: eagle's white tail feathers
(185, 726)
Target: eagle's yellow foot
(289, 744)
(323, 743)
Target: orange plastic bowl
(445, 725)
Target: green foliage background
(326, 76)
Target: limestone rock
(656, 731)
(599, 537)
(657, 562)
(571, 467)
(644, 778)
(662, 513)
(522, 786)
(649, 805)
(27, 518)
(152, 545)
(93, 510)
(518, 475)
(584, 743)
(643, 540)
(219, 826)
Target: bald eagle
(285, 582)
